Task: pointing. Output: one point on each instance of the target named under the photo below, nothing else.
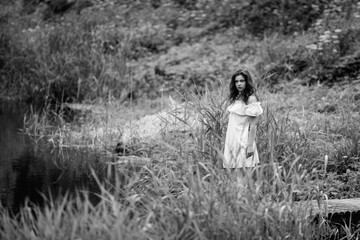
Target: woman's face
(240, 82)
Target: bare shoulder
(252, 99)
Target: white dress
(237, 135)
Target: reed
(192, 197)
(186, 201)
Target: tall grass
(163, 202)
(183, 193)
(59, 62)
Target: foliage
(291, 131)
(161, 202)
(115, 52)
(59, 64)
(81, 56)
(256, 17)
(329, 56)
(304, 155)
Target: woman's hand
(249, 152)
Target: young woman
(240, 148)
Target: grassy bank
(125, 60)
(122, 51)
(169, 202)
(304, 127)
(308, 144)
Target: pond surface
(33, 171)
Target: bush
(257, 17)
(58, 64)
(332, 56)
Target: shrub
(257, 17)
(59, 63)
(327, 59)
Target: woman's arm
(252, 99)
(252, 134)
(252, 128)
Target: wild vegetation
(126, 57)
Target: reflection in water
(29, 172)
(12, 145)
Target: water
(31, 171)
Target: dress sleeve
(237, 108)
(253, 109)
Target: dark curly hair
(249, 87)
